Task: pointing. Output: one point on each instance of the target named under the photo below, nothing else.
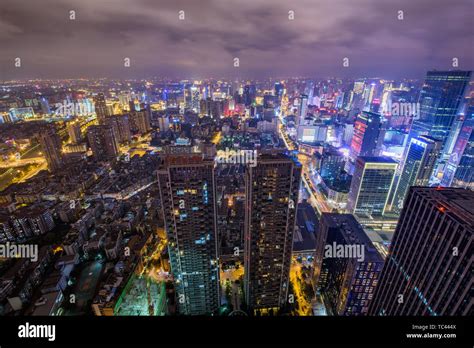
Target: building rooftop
(458, 202)
(353, 233)
(45, 309)
(307, 227)
(381, 159)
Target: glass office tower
(440, 100)
(428, 271)
(418, 167)
(371, 185)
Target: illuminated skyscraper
(347, 265)
(121, 127)
(249, 95)
(347, 100)
(429, 267)
(272, 195)
(187, 191)
(332, 164)
(101, 109)
(359, 87)
(440, 100)
(103, 142)
(195, 98)
(459, 170)
(279, 89)
(464, 175)
(187, 95)
(303, 109)
(371, 185)
(74, 131)
(124, 100)
(368, 135)
(140, 121)
(45, 108)
(418, 167)
(51, 144)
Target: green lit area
(142, 296)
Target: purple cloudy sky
(258, 32)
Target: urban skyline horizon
(235, 78)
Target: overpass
(22, 162)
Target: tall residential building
(187, 189)
(124, 100)
(272, 195)
(163, 123)
(121, 126)
(101, 109)
(187, 96)
(429, 267)
(347, 100)
(195, 98)
(249, 94)
(418, 166)
(140, 121)
(371, 184)
(45, 108)
(459, 170)
(279, 89)
(440, 100)
(103, 142)
(74, 131)
(302, 109)
(368, 134)
(347, 265)
(51, 144)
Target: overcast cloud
(214, 32)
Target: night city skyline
(173, 164)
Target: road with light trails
(316, 198)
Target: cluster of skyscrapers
(432, 238)
(427, 188)
(188, 194)
(427, 269)
(438, 149)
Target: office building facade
(418, 167)
(371, 184)
(440, 100)
(459, 170)
(368, 135)
(347, 265)
(428, 271)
